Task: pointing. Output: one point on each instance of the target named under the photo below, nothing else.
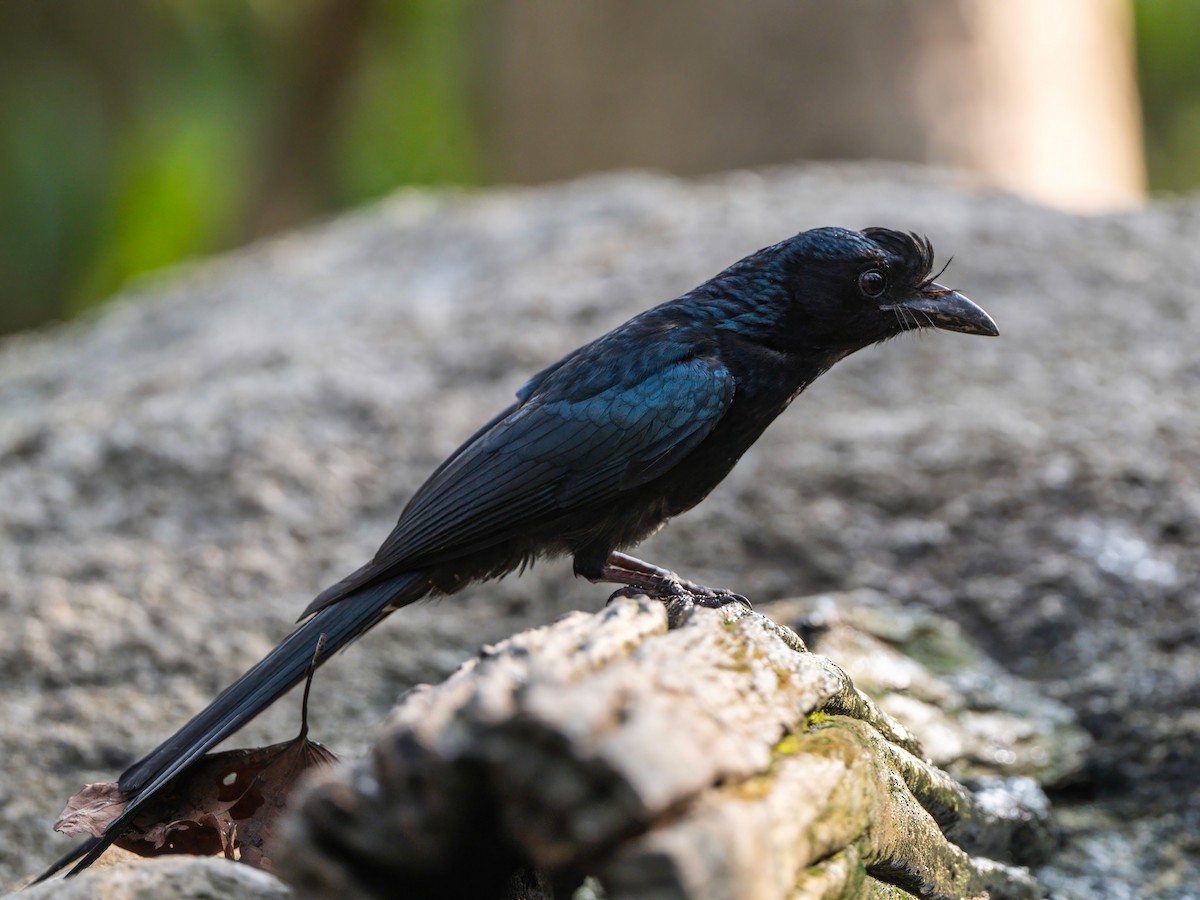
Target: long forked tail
(261, 686)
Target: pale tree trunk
(1034, 96)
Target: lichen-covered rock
(713, 759)
(974, 718)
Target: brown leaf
(90, 811)
(227, 802)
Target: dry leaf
(227, 802)
(90, 811)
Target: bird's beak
(948, 310)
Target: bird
(598, 451)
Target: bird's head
(849, 289)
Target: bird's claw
(710, 598)
(719, 598)
(686, 592)
(627, 591)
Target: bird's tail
(278, 671)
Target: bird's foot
(681, 598)
(641, 578)
(677, 590)
(709, 598)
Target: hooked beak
(949, 310)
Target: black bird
(600, 449)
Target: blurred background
(138, 133)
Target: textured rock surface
(169, 878)
(973, 718)
(182, 474)
(713, 760)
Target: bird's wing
(549, 456)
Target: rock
(710, 759)
(167, 878)
(182, 472)
(974, 718)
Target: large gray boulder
(183, 472)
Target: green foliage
(54, 159)
(1168, 50)
(409, 119)
(137, 133)
(174, 194)
(119, 146)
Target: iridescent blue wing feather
(552, 455)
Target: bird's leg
(641, 577)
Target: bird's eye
(872, 283)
